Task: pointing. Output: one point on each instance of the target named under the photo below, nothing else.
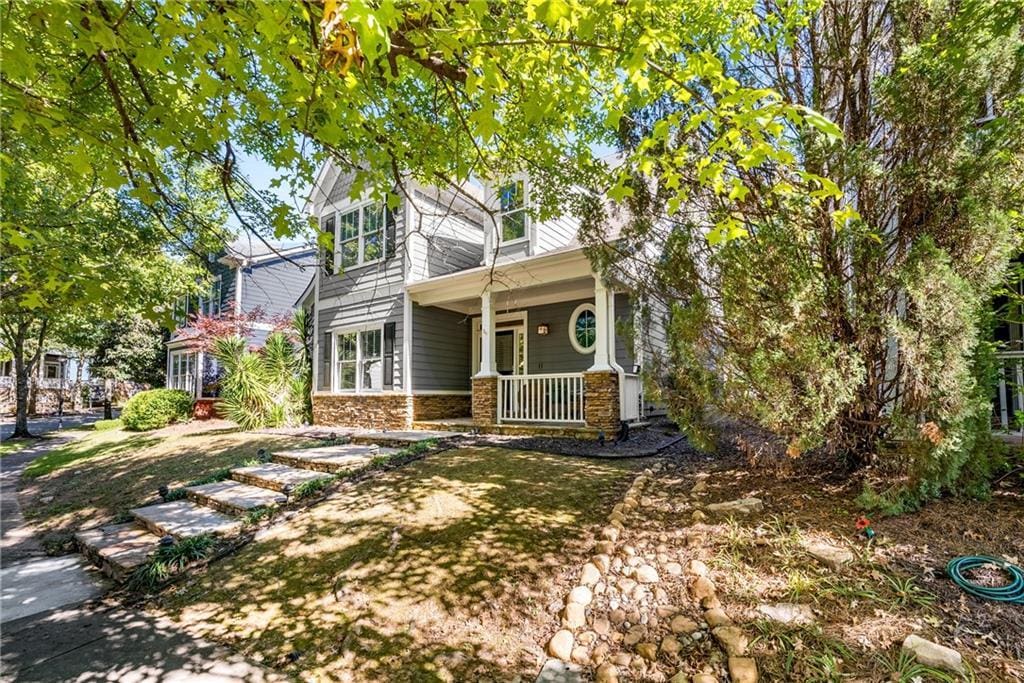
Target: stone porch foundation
(485, 400)
(601, 402)
(363, 411)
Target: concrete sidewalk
(114, 644)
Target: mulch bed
(660, 437)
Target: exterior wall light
(543, 329)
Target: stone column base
(485, 400)
(601, 401)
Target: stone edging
(573, 641)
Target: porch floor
(465, 424)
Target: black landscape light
(600, 438)
(163, 491)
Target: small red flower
(863, 523)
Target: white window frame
(572, 328)
(360, 239)
(58, 374)
(358, 332)
(524, 210)
(179, 377)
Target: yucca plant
(261, 388)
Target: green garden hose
(1012, 592)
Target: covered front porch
(544, 352)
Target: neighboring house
(57, 372)
(461, 305)
(245, 279)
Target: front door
(508, 351)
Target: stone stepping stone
(332, 459)
(184, 519)
(557, 671)
(399, 439)
(233, 497)
(118, 548)
(275, 476)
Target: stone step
(332, 459)
(117, 549)
(275, 476)
(398, 439)
(184, 519)
(233, 497)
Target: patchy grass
(95, 479)
(441, 569)
(894, 586)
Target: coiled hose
(1012, 592)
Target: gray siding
(378, 312)
(274, 285)
(554, 352)
(364, 295)
(441, 350)
(446, 240)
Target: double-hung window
(360, 238)
(359, 360)
(213, 308)
(512, 197)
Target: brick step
(275, 476)
(233, 497)
(184, 519)
(117, 549)
(332, 459)
(398, 439)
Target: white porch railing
(1010, 392)
(541, 398)
(632, 406)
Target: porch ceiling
(556, 276)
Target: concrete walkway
(17, 542)
(114, 644)
(51, 423)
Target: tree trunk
(24, 373)
(21, 376)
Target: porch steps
(275, 476)
(117, 549)
(234, 497)
(398, 439)
(332, 459)
(444, 426)
(185, 519)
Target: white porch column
(487, 346)
(198, 376)
(604, 322)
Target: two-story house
(462, 306)
(246, 278)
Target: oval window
(583, 328)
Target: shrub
(156, 408)
(106, 425)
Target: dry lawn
(98, 478)
(895, 586)
(440, 570)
